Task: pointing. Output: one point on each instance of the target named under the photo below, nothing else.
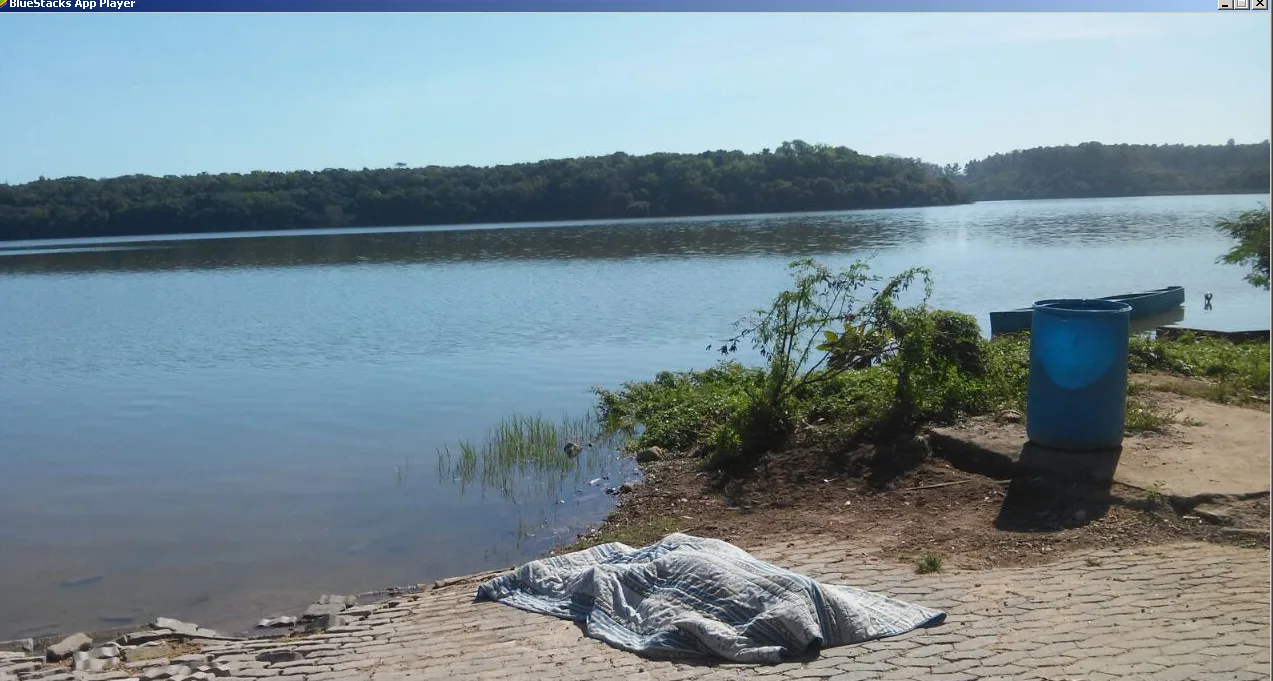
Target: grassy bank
(844, 369)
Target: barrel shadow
(1053, 489)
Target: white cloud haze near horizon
(108, 95)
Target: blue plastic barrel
(1076, 397)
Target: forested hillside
(1094, 169)
(794, 177)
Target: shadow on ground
(1056, 490)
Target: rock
(85, 662)
(108, 650)
(572, 449)
(144, 636)
(16, 646)
(1216, 514)
(153, 651)
(165, 672)
(186, 629)
(56, 674)
(329, 604)
(281, 621)
(67, 646)
(626, 488)
(323, 610)
(21, 665)
(279, 655)
(329, 621)
(650, 454)
(79, 660)
(1011, 416)
(197, 660)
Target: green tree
(1251, 230)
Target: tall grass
(524, 457)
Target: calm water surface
(221, 428)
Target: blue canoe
(1144, 304)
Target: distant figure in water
(1206, 297)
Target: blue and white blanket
(686, 596)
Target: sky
(107, 95)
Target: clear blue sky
(105, 95)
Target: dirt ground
(904, 501)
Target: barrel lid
(1083, 306)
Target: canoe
(1144, 304)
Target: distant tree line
(794, 177)
(1095, 170)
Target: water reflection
(1005, 224)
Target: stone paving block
(1190, 611)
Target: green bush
(680, 411)
(946, 370)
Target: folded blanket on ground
(685, 596)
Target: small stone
(572, 449)
(108, 650)
(68, 645)
(650, 454)
(626, 488)
(281, 621)
(279, 655)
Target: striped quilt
(685, 596)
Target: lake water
(222, 428)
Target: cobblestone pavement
(1185, 611)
